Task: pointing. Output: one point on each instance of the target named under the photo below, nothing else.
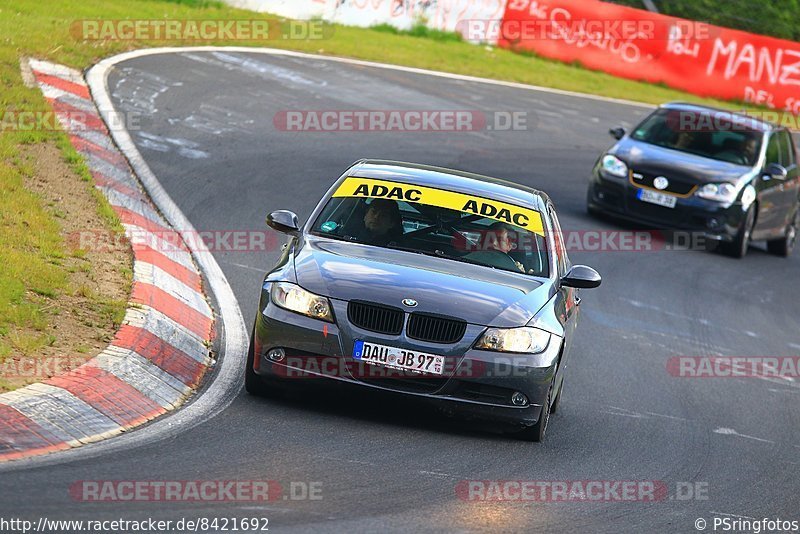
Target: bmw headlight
(294, 298)
(526, 339)
(614, 166)
(723, 192)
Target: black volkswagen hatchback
(730, 177)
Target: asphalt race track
(206, 130)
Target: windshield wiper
(348, 238)
(437, 254)
(395, 246)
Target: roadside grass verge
(36, 265)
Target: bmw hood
(478, 295)
(652, 159)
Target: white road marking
(675, 418)
(242, 266)
(731, 432)
(730, 515)
(290, 53)
(624, 412)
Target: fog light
(519, 399)
(713, 223)
(276, 355)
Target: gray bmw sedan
(447, 286)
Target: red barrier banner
(631, 43)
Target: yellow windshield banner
(491, 209)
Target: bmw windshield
(425, 221)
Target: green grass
(31, 249)
(419, 30)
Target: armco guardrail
(631, 43)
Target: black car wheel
(738, 247)
(537, 431)
(590, 210)
(557, 400)
(785, 245)
(253, 383)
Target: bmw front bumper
(478, 384)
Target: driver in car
(743, 153)
(382, 223)
(497, 243)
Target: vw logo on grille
(411, 303)
(661, 183)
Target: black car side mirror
(617, 133)
(776, 171)
(581, 277)
(283, 221)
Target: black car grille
(375, 318)
(435, 329)
(676, 185)
(483, 393)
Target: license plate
(660, 199)
(398, 358)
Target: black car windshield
(717, 135)
(432, 229)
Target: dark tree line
(779, 18)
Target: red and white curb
(160, 353)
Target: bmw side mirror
(776, 171)
(617, 133)
(581, 277)
(283, 221)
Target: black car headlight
(294, 298)
(614, 166)
(723, 192)
(526, 339)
